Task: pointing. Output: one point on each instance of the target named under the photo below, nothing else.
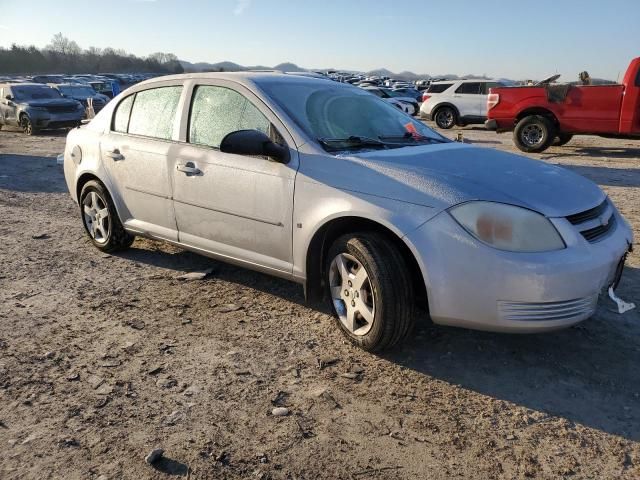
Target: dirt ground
(106, 357)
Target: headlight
(507, 227)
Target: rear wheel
(370, 292)
(562, 139)
(534, 134)
(445, 117)
(101, 220)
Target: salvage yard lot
(105, 357)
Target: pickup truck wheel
(562, 139)
(370, 292)
(445, 117)
(27, 126)
(100, 219)
(534, 134)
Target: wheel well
(441, 105)
(328, 233)
(84, 178)
(538, 111)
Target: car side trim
(235, 214)
(147, 192)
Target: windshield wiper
(353, 141)
(410, 136)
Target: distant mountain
(289, 67)
(234, 67)
(292, 67)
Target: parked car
(408, 92)
(406, 104)
(456, 102)
(546, 114)
(34, 107)
(82, 93)
(324, 184)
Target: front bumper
(47, 120)
(472, 285)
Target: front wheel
(534, 134)
(101, 220)
(27, 126)
(370, 291)
(445, 118)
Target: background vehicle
(82, 93)
(33, 107)
(546, 114)
(456, 102)
(406, 103)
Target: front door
(136, 154)
(237, 207)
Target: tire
(534, 134)
(562, 139)
(385, 296)
(27, 126)
(445, 117)
(100, 219)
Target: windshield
(335, 112)
(34, 92)
(77, 91)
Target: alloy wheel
(27, 126)
(96, 217)
(444, 118)
(351, 294)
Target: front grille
(596, 233)
(542, 312)
(587, 215)
(594, 224)
(62, 109)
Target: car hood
(441, 176)
(51, 102)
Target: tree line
(63, 55)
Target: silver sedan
(329, 186)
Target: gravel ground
(105, 357)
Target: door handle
(189, 168)
(115, 154)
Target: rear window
(438, 87)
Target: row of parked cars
(48, 102)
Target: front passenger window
(218, 111)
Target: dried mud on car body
(104, 358)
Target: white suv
(457, 102)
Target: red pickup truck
(550, 114)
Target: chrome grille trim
(565, 310)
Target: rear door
(136, 154)
(468, 98)
(237, 207)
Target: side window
(154, 112)
(471, 88)
(121, 116)
(438, 87)
(218, 111)
(638, 79)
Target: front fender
(317, 204)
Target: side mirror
(9, 97)
(254, 142)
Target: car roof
(245, 77)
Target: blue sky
(514, 39)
